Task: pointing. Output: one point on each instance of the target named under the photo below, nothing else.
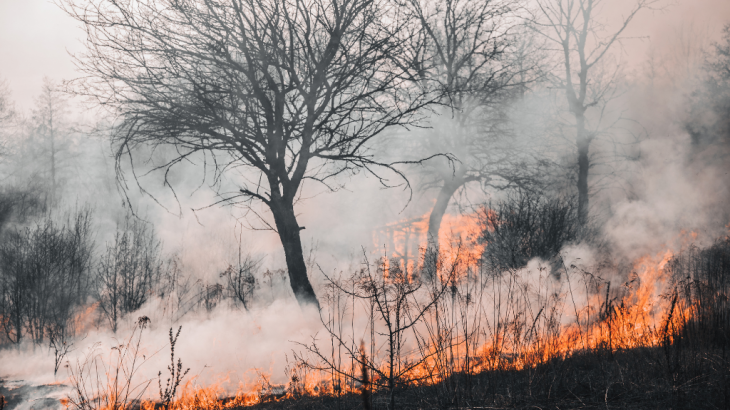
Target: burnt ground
(22, 395)
(656, 378)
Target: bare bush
(526, 226)
(240, 280)
(129, 271)
(44, 278)
(176, 290)
(396, 302)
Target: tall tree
(292, 90)
(49, 121)
(468, 54)
(708, 122)
(582, 40)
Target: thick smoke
(665, 196)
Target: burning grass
(551, 335)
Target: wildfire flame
(641, 313)
(405, 240)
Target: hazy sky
(35, 37)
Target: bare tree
(468, 53)
(708, 122)
(42, 150)
(44, 278)
(240, 280)
(289, 90)
(50, 125)
(583, 41)
(129, 271)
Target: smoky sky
(36, 37)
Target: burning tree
(289, 90)
(468, 53)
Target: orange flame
(642, 315)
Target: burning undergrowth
(518, 307)
(449, 331)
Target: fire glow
(483, 323)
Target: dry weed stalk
(176, 374)
(109, 385)
(392, 296)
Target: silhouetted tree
(42, 150)
(582, 42)
(7, 114)
(709, 117)
(290, 90)
(470, 55)
(51, 127)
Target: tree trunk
(53, 159)
(583, 143)
(439, 209)
(391, 376)
(286, 224)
